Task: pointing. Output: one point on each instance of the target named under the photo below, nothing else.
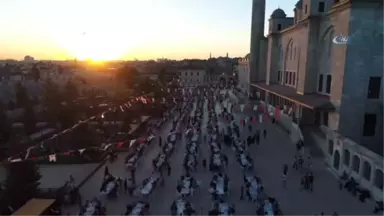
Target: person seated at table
(188, 209)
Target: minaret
(227, 55)
(257, 33)
(210, 55)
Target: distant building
(243, 74)
(192, 77)
(329, 89)
(29, 58)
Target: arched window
(320, 83)
(281, 53)
(330, 43)
(356, 163)
(328, 84)
(379, 179)
(367, 171)
(347, 157)
(290, 51)
(330, 147)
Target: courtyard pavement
(269, 158)
(277, 150)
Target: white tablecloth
(216, 159)
(137, 209)
(186, 186)
(220, 186)
(224, 209)
(180, 205)
(148, 187)
(268, 209)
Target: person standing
(160, 141)
(106, 171)
(301, 162)
(125, 184)
(295, 166)
(249, 140)
(310, 181)
(257, 137)
(309, 163)
(169, 169)
(284, 177)
(131, 187)
(204, 164)
(133, 175)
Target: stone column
(257, 33)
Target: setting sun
(98, 47)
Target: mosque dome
(299, 4)
(247, 56)
(278, 14)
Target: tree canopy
(70, 90)
(82, 137)
(29, 119)
(21, 184)
(35, 72)
(52, 98)
(127, 75)
(22, 98)
(5, 127)
(162, 77)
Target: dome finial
(278, 14)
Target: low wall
(344, 155)
(81, 183)
(101, 164)
(287, 124)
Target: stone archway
(336, 160)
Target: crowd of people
(161, 163)
(189, 117)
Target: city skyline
(146, 29)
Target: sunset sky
(127, 29)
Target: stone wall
(344, 155)
(286, 122)
(364, 59)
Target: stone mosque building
(323, 68)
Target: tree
(127, 75)
(5, 127)
(11, 105)
(22, 98)
(82, 137)
(146, 85)
(35, 72)
(22, 182)
(161, 77)
(29, 119)
(52, 99)
(70, 91)
(67, 115)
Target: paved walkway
(277, 150)
(269, 158)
